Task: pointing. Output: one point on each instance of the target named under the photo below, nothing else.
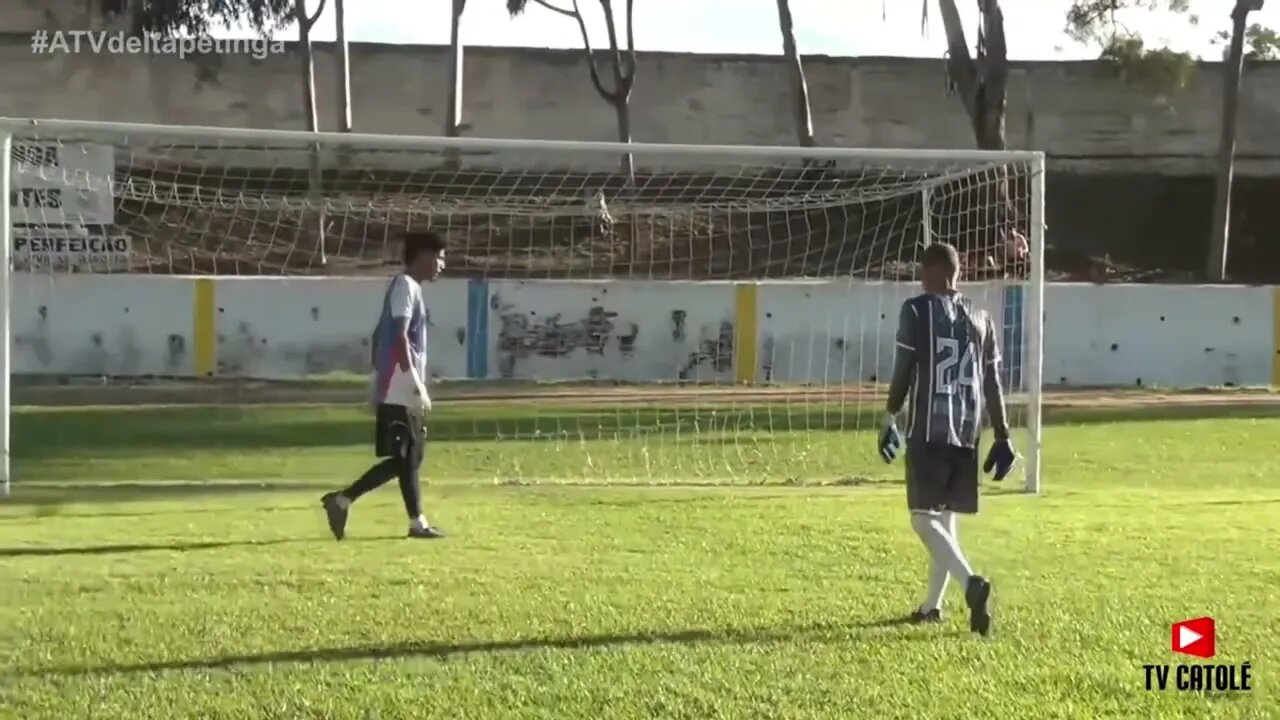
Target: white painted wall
(1166, 335)
(839, 332)
(821, 333)
(297, 327)
(102, 325)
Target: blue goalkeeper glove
(1000, 458)
(890, 439)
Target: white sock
(941, 544)
(343, 501)
(938, 575)
(419, 523)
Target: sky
(823, 27)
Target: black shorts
(942, 477)
(396, 434)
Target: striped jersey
(402, 302)
(955, 348)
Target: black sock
(373, 478)
(410, 489)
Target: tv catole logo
(1198, 637)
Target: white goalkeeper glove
(424, 400)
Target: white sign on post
(61, 184)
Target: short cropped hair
(416, 243)
(943, 256)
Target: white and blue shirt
(402, 301)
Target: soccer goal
(720, 314)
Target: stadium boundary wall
(824, 332)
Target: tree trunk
(981, 82)
(453, 111)
(799, 87)
(981, 79)
(623, 111)
(344, 67)
(988, 129)
(315, 177)
(993, 74)
(624, 74)
(308, 69)
(453, 118)
(1216, 268)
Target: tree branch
(309, 22)
(631, 45)
(612, 31)
(995, 53)
(960, 66)
(591, 55)
(567, 13)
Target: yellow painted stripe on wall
(746, 333)
(1275, 336)
(204, 328)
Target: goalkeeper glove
(890, 439)
(424, 400)
(1000, 458)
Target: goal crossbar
(414, 142)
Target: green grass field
(709, 562)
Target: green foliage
(197, 17)
(1261, 43)
(1095, 21)
(1162, 69)
(1159, 69)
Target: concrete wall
(1079, 113)
(822, 333)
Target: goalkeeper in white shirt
(400, 389)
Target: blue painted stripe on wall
(477, 329)
(1012, 340)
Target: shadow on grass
(131, 548)
(825, 632)
(68, 433)
(48, 498)
(66, 493)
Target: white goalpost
(724, 314)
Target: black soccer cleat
(336, 514)
(977, 595)
(921, 616)
(425, 533)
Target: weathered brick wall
(1079, 113)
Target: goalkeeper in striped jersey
(948, 360)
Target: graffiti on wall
(526, 334)
(714, 352)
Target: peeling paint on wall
(117, 350)
(246, 353)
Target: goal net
(720, 314)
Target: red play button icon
(1195, 637)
